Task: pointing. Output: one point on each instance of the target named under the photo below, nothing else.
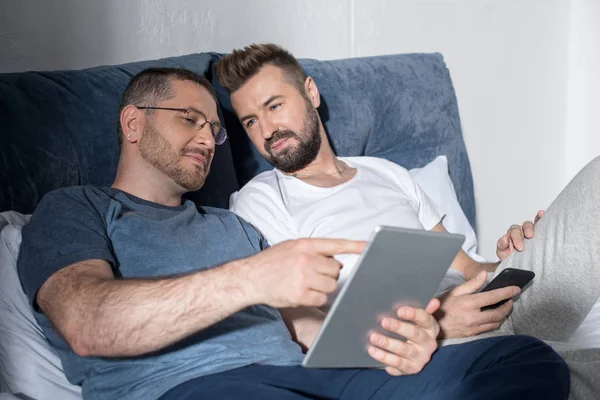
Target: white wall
(508, 61)
(74, 34)
(524, 70)
(582, 138)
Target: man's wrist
(472, 270)
(243, 273)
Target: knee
(528, 347)
(539, 362)
(595, 163)
(592, 170)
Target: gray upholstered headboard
(58, 128)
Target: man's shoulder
(75, 195)
(262, 193)
(70, 205)
(265, 183)
(375, 163)
(264, 179)
(220, 213)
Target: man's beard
(298, 156)
(155, 149)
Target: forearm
(465, 264)
(303, 323)
(472, 269)
(469, 267)
(130, 317)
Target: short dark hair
(153, 85)
(235, 69)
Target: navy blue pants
(510, 367)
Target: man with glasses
(144, 296)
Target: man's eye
(275, 106)
(250, 122)
(190, 121)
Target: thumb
(538, 216)
(503, 247)
(503, 242)
(432, 306)
(470, 286)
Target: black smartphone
(508, 277)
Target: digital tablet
(398, 267)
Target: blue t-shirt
(142, 239)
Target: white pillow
(28, 365)
(436, 183)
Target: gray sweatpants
(565, 256)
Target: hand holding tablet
(399, 267)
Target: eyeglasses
(197, 121)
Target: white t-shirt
(282, 207)
(381, 193)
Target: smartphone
(508, 277)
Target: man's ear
(132, 123)
(312, 91)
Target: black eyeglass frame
(219, 137)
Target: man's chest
(146, 247)
(354, 212)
